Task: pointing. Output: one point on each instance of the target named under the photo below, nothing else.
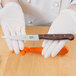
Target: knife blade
(41, 36)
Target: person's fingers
(47, 43)
(59, 46)
(9, 44)
(20, 42)
(22, 33)
(44, 43)
(7, 33)
(51, 31)
(15, 44)
(21, 45)
(50, 49)
(47, 46)
(23, 30)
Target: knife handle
(57, 36)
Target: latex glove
(65, 23)
(13, 23)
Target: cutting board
(33, 64)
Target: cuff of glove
(71, 13)
(9, 4)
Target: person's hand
(65, 23)
(13, 23)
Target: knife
(41, 36)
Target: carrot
(64, 50)
(22, 53)
(36, 49)
(12, 52)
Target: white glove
(65, 23)
(13, 23)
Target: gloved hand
(13, 23)
(65, 23)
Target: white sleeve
(74, 2)
(0, 1)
